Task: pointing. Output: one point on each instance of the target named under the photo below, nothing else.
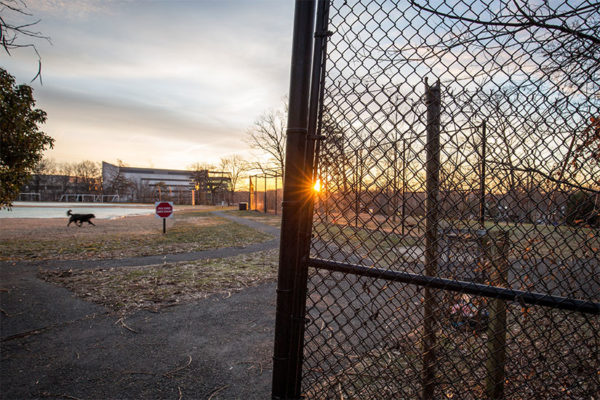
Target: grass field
(190, 230)
(269, 219)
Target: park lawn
(553, 243)
(268, 219)
(185, 235)
(124, 289)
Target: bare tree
(88, 173)
(588, 150)
(15, 23)
(200, 173)
(563, 36)
(201, 166)
(236, 166)
(65, 170)
(46, 166)
(268, 135)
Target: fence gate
(453, 246)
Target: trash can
(243, 206)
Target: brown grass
(153, 287)
(51, 239)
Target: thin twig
(180, 394)
(24, 334)
(217, 390)
(124, 325)
(138, 373)
(62, 396)
(180, 368)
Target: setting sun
(317, 186)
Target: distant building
(152, 184)
(47, 187)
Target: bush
(581, 209)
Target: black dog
(80, 218)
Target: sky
(155, 83)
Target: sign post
(164, 210)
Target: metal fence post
(482, 177)
(357, 194)
(433, 102)
(287, 362)
(495, 247)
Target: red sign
(164, 209)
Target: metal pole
(395, 186)
(433, 102)
(265, 196)
(276, 193)
(482, 183)
(356, 194)
(250, 194)
(496, 248)
(326, 193)
(403, 184)
(287, 361)
(315, 112)
(396, 161)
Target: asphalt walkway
(55, 345)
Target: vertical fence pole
(287, 357)
(495, 247)
(357, 187)
(395, 159)
(326, 193)
(433, 102)
(265, 196)
(403, 184)
(276, 193)
(395, 186)
(482, 182)
(250, 193)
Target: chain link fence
(455, 241)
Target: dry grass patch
(267, 219)
(190, 233)
(153, 287)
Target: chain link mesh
(513, 202)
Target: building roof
(151, 170)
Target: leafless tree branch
(11, 32)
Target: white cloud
(196, 72)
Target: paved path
(55, 345)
